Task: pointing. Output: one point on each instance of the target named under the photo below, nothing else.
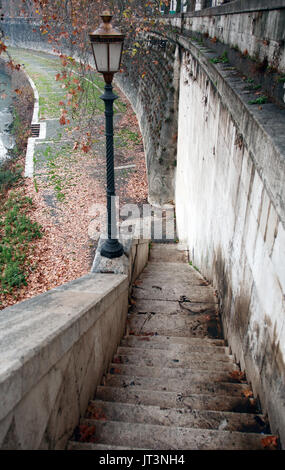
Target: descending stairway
(173, 383)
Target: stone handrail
(234, 7)
(55, 349)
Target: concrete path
(173, 383)
(42, 69)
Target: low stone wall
(55, 349)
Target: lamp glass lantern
(107, 46)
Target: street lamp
(107, 46)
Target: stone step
(191, 294)
(173, 361)
(148, 304)
(194, 375)
(173, 274)
(171, 268)
(177, 344)
(169, 363)
(150, 436)
(74, 445)
(176, 400)
(174, 355)
(197, 326)
(175, 385)
(182, 417)
(167, 253)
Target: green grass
(128, 136)
(17, 231)
(195, 267)
(221, 59)
(9, 176)
(46, 85)
(255, 87)
(55, 161)
(260, 100)
(49, 107)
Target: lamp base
(112, 249)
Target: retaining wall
(230, 213)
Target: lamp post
(107, 46)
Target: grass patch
(128, 136)
(260, 100)
(54, 163)
(223, 59)
(8, 176)
(17, 231)
(195, 267)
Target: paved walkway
(173, 383)
(56, 144)
(42, 68)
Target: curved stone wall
(151, 83)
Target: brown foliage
(270, 442)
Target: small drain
(35, 129)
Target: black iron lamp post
(107, 46)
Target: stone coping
(232, 8)
(36, 333)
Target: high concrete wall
(230, 210)
(54, 350)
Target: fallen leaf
(237, 375)
(270, 441)
(86, 433)
(117, 360)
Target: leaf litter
(66, 251)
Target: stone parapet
(55, 348)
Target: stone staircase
(173, 383)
